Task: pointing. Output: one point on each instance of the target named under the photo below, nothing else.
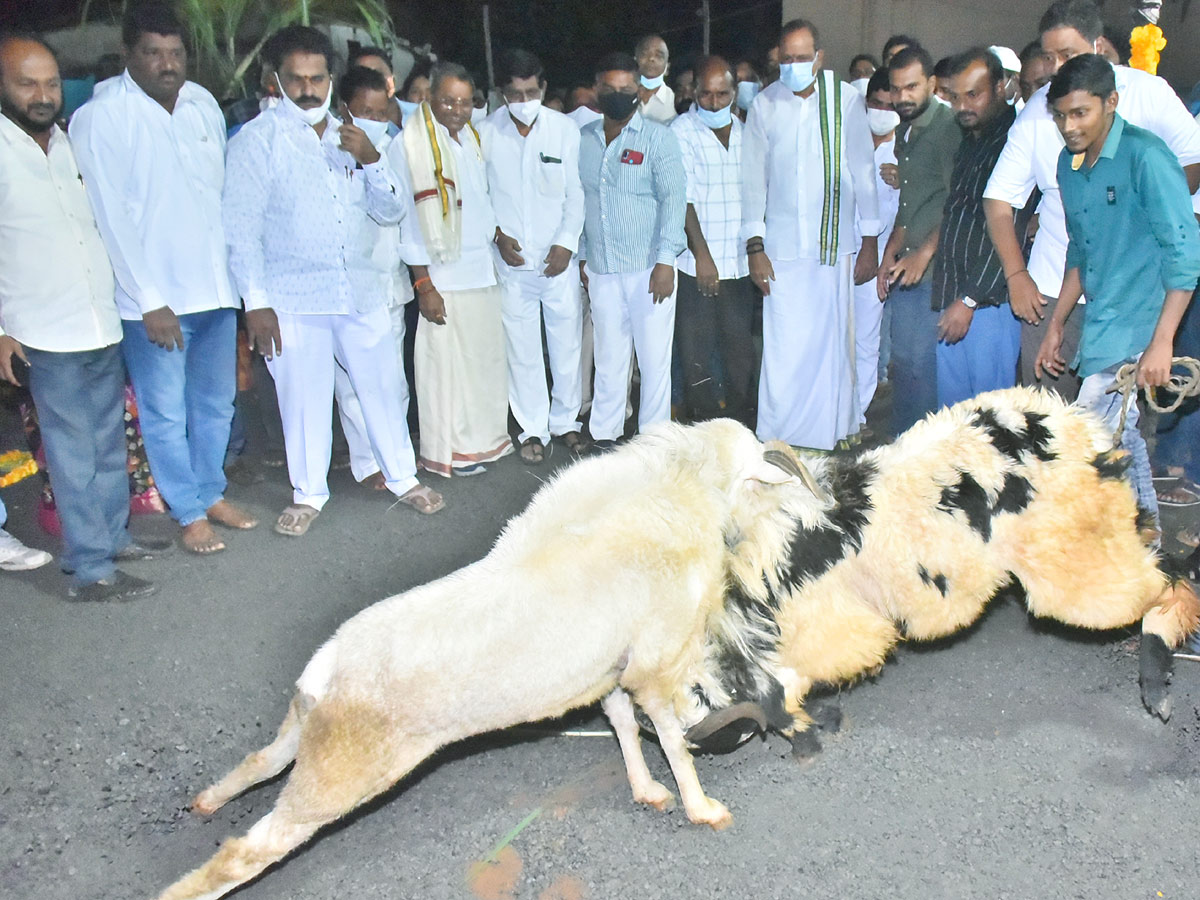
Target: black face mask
(616, 105)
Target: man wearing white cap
(1011, 63)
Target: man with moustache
(978, 337)
(925, 148)
(1068, 28)
(60, 332)
(151, 147)
(304, 198)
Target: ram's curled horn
(786, 460)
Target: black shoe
(603, 446)
(118, 586)
(145, 548)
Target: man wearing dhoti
(808, 168)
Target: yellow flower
(1145, 44)
(16, 465)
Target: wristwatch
(968, 303)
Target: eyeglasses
(452, 105)
(515, 96)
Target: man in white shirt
(366, 98)
(59, 331)
(461, 370)
(151, 147)
(808, 172)
(1069, 28)
(869, 311)
(714, 313)
(302, 193)
(532, 158)
(654, 94)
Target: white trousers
(363, 463)
(313, 348)
(806, 393)
(527, 298)
(624, 315)
(868, 319)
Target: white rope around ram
(1181, 385)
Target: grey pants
(1066, 384)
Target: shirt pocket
(635, 179)
(550, 180)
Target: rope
(1181, 385)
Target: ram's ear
(780, 465)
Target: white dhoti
(528, 298)
(868, 317)
(806, 393)
(462, 383)
(363, 463)
(623, 315)
(314, 346)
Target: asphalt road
(1013, 762)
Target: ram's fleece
(602, 588)
(912, 540)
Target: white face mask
(375, 131)
(860, 85)
(478, 115)
(308, 116)
(651, 84)
(882, 121)
(797, 76)
(267, 103)
(525, 112)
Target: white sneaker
(16, 557)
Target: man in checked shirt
(978, 337)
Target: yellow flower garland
(1145, 44)
(16, 465)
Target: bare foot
(376, 482)
(423, 499)
(200, 538)
(225, 513)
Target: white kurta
(807, 393)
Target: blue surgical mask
(797, 76)
(651, 84)
(407, 108)
(746, 92)
(718, 119)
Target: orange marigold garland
(1145, 44)
(16, 465)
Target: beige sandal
(295, 520)
(423, 499)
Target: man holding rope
(1133, 246)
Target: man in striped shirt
(978, 337)
(634, 192)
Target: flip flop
(1183, 493)
(533, 451)
(433, 501)
(302, 516)
(1189, 537)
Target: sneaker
(16, 557)
(118, 586)
(468, 471)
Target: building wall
(946, 26)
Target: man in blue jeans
(1134, 247)
(151, 147)
(60, 332)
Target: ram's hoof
(826, 713)
(1155, 664)
(806, 747)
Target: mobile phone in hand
(20, 370)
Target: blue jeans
(185, 404)
(1179, 432)
(1092, 397)
(80, 400)
(914, 355)
(984, 360)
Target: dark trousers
(713, 335)
(914, 355)
(1066, 384)
(80, 400)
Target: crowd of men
(920, 221)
